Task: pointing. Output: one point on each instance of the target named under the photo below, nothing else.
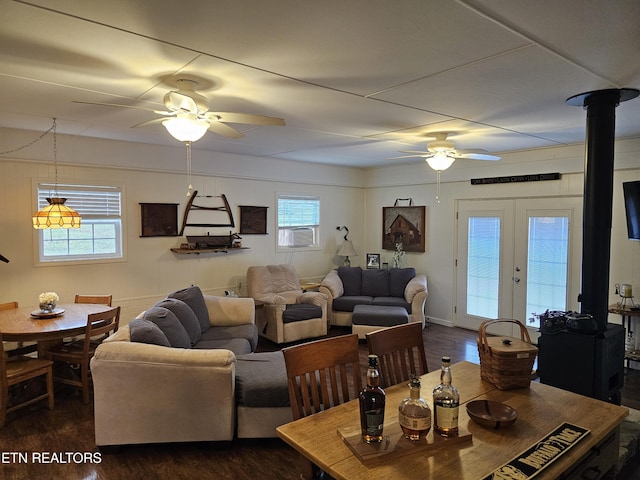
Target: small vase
(48, 307)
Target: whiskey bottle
(414, 414)
(446, 401)
(372, 401)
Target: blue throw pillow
(170, 326)
(186, 316)
(193, 297)
(398, 279)
(144, 331)
(375, 283)
(351, 280)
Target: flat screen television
(632, 207)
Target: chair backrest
(322, 374)
(8, 305)
(270, 279)
(400, 352)
(95, 299)
(101, 325)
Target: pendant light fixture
(56, 214)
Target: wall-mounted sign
(536, 177)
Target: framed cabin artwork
(406, 226)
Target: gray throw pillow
(144, 331)
(398, 279)
(193, 297)
(375, 283)
(351, 280)
(186, 317)
(170, 326)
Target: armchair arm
(313, 298)
(416, 284)
(229, 311)
(416, 293)
(333, 284)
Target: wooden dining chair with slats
(17, 348)
(95, 299)
(16, 370)
(78, 353)
(400, 352)
(320, 375)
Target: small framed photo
(373, 260)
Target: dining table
(330, 438)
(30, 324)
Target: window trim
(40, 261)
(289, 249)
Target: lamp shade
(347, 249)
(440, 161)
(56, 215)
(186, 128)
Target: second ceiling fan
(188, 118)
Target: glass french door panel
(547, 264)
(483, 266)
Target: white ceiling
(355, 80)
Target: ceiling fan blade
(247, 118)
(417, 152)
(224, 130)
(179, 101)
(477, 156)
(415, 155)
(155, 121)
(159, 112)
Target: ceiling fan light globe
(186, 129)
(440, 161)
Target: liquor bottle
(372, 401)
(446, 401)
(414, 414)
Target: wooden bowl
(491, 414)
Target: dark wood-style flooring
(57, 442)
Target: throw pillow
(351, 280)
(375, 283)
(170, 326)
(193, 297)
(144, 331)
(398, 279)
(186, 316)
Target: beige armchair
(284, 312)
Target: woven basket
(506, 362)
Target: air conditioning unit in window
(302, 237)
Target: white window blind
(298, 221)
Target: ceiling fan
(188, 118)
(441, 153)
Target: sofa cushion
(346, 303)
(379, 316)
(375, 283)
(392, 302)
(299, 311)
(261, 380)
(398, 279)
(238, 346)
(145, 331)
(248, 331)
(170, 326)
(193, 297)
(351, 280)
(185, 315)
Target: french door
(517, 258)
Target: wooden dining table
(541, 409)
(19, 325)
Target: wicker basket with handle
(506, 362)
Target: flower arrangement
(48, 297)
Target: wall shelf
(198, 251)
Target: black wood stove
(587, 355)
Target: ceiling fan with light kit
(441, 153)
(188, 118)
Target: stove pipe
(598, 197)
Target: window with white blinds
(100, 234)
(298, 222)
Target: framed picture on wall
(159, 219)
(405, 225)
(373, 260)
(253, 220)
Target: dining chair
(17, 348)
(322, 374)
(78, 353)
(400, 351)
(8, 305)
(95, 299)
(16, 370)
